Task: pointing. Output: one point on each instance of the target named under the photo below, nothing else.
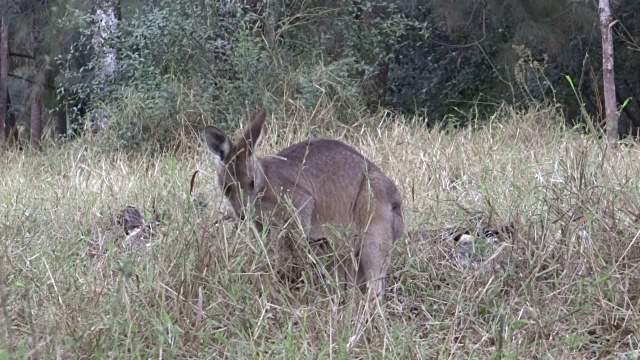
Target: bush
(213, 55)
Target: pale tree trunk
(106, 26)
(37, 108)
(608, 78)
(4, 73)
(107, 18)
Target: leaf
(570, 81)
(166, 317)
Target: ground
(563, 282)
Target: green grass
(564, 285)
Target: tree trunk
(10, 128)
(4, 73)
(59, 124)
(37, 108)
(272, 15)
(608, 78)
(108, 17)
(107, 12)
(374, 86)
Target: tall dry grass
(563, 283)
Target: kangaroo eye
(252, 184)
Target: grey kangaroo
(329, 184)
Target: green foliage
(214, 54)
(377, 32)
(247, 63)
(157, 48)
(227, 58)
(142, 118)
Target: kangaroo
(328, 183)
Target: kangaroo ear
(252, 137)
(218, 143)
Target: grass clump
(563, 282)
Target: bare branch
(29, 80)
(26, 56)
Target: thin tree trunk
(59, 124)
(37, 108)
(608, 78)
(272, 13)
(41, 67)
(4, 73)
(10, 128)
(108, 17)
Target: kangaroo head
(239, 174)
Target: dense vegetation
(164, 65)
(521, 237)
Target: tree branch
(26, 56)
(29, 81)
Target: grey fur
(328, 183)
